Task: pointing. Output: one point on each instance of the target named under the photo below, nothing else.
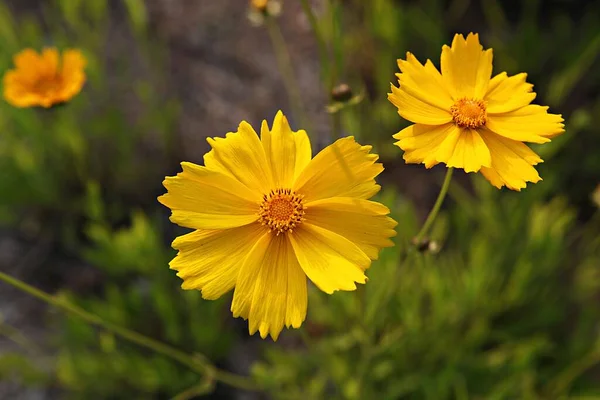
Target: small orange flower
(44, 79)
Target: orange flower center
(46, 85)
(281, 210)
(469, 113)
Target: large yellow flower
(267, 216)
(466, 119)
(44, 79)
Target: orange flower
(44, 79)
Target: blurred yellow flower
(267, 216)
(466, 119)
(259, 4)
(44, 79)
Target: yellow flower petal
(464, 148)
(204, 199)
(415, 110)
(210, 260)
(424, 82)
(531, 123)
(271, 288)
(329, 260)
(506, 94)
(363, 222)
(72, 72)
(511, 162)
(50, 61)
(342, 169)
(287, 152)
(27, 62)
(421, 142)
(466, 67)
(242, 155)
(16, 91)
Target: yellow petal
(506, 94)
(210, 260)
(531, 123)
(73, 75)
(329, 260)
(364, 223)
(464, 148)
(17, 91)
(242, 155)
(303, 152)
(415, 110)
(421, 142)
(28, 63)
(466, 67)
(511, 162)
(424, 82)
(271, 288)
(342, 169)
(287, 152)
(50, 61)
(72, 61)
(204, 199)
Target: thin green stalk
(15, 336)
(337, 44)
(436, 208)
(284, 62)
(336, 125)
(321, 44)
(197, 363)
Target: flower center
(281, 210)
(46, 85)
(469, 113)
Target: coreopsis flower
(267, 216)
(44, 79)
(466, 119)
(259, 9)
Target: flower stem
(436, 208)
(330, 70)
(321, 44)
(284, 62)
(197, 363)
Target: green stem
(321, 44)
(436, 208)
(284, 62)
(336, 125)
(196, 363)
(337, 44)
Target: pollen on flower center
(469, 113)
(281, 210)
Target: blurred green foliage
(505, 309)
(74, 171)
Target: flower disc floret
(281, 210)
(469, 113)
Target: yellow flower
(466, 119)
(260, 5)
(267, 216)
(43, 79)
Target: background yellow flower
(466, 119)
(44, 79)
(266, 216)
